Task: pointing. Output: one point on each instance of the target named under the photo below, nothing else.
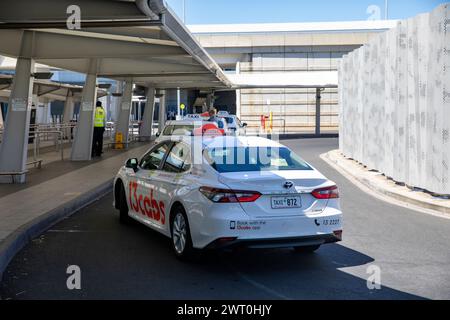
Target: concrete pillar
(14, 147)
(82, 144)
(39, 109)
(162, 111)
(69, 106)
(109, 107)
(238, 93)
(209, 102)
(147, 120)
(43, 114)
(318, 97)
(48, 117)
(1, 117)
(117, 101)
(68, 109)
(123, 120)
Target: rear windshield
(178, 130)
(251, 159)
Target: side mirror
(244, 124)
(158, 134)
(132, 164)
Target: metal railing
(134, 131)
(279, 125)
(39, 133)
(62, 133)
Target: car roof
(239, 141)
(226, 142)
(186, 121)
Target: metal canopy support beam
(87, 45)
(123, 120)
(41, 92)
(86, 24)
(162, 110)
(82, 144)
(13, 149)
(147, 123)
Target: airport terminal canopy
(139, 39)
(46, 89)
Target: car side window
(152, 160)
(179, 159)
(168, 131)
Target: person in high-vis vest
(99, 130)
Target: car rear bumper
(275, 232)
(225, 243)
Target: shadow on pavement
(133, 262)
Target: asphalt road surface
(411, 249)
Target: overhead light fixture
(43, 75)
(104, 86)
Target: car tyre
(181, 235)
(123, 207)
(307, 249)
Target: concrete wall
(395, 102)
(294, 110)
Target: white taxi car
(183, 128)
(222, 192)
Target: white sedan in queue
(223, 192)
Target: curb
(22, 236)
(393, 194)
(288, 136)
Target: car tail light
(223, 241)
(229, 196)
(326, 193)
(338, 234)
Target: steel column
(178, 102)
(162, 111)
(318, 97)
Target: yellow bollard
(119, 141)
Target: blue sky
(273, 11)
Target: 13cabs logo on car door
(146, 204)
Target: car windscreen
(251, 159)
(229, 120)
